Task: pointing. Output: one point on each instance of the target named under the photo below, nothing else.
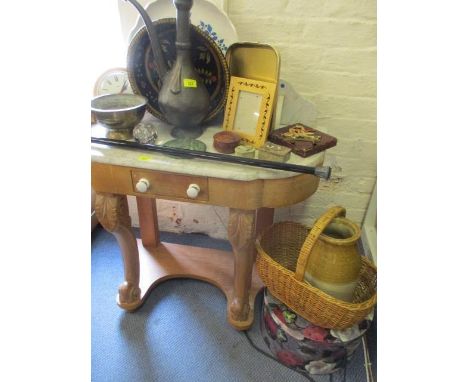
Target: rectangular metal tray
(254, 60)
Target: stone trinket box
(270, 151)
(245, 151)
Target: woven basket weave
(283, 250)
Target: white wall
(328, 54)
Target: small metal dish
(119, 111)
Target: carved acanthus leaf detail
(112, 211)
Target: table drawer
(170, 185)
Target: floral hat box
(301, 345)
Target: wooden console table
(250, 193)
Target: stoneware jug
(183, 98)
(334, 261)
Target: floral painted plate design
(303, 346)
(207, 57)
(203, 14)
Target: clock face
(113, 81)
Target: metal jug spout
(183, 97)
(159, 61)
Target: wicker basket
(283, 250)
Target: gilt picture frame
(249, 109)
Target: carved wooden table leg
(112, 213)
(264, 219)
(148, 218)
(241, 233)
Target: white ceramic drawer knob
(142, 185)
(193, 190)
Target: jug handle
(319, 226)
(161, 66)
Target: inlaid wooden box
(300, 147)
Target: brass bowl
(119, 111)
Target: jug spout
(183, 97)
(159, 61)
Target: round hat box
(301, 345)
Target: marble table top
(151, 160)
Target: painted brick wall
(328, 54)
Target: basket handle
(321, 223)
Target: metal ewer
(183, 98)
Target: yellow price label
(144, 157)
(190, 83)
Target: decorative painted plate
(203, 14)
(207, 58)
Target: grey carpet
(180, 334)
